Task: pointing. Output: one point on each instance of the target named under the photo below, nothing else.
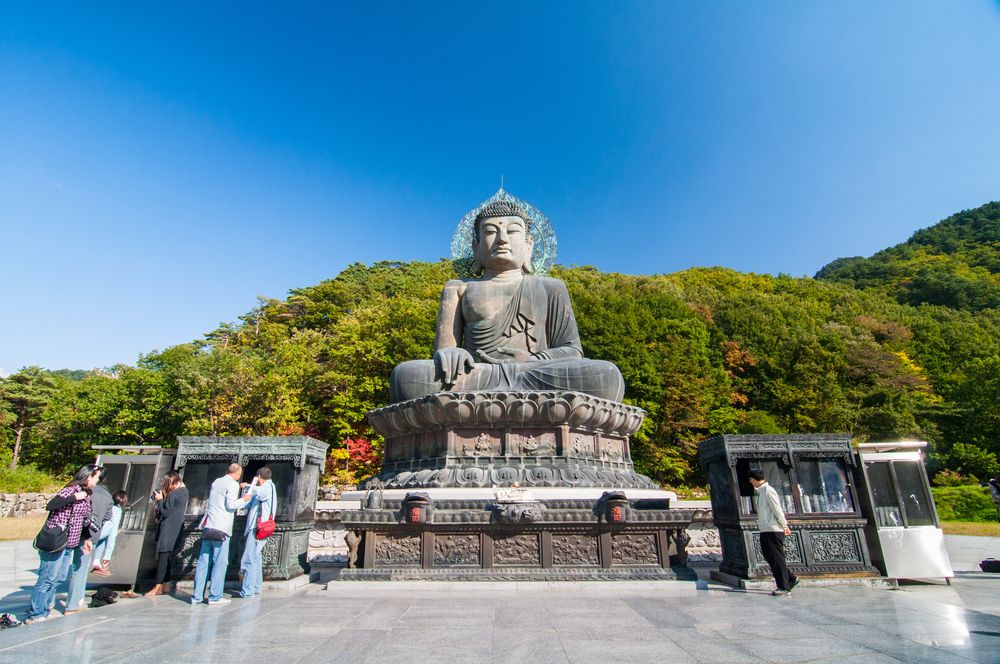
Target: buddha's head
(501, 238)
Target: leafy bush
(952, 478)
(964, 503)
(27, 479)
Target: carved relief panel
(612, 449)
(575, 551)
(531, 443)
(456, 551)
(793, 550)
(835, 547)
(392, 551)
(472, 443)
(637, 549)
(582, 445)
(517, 551)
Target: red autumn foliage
(364, 457)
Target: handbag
(52, 538)
(212, 534)
(266, 528)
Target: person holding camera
(260, 524)
(171, 504)
(64, 535)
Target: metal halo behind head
(543, 254)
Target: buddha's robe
(538, 319)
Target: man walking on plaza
(217, 529)
(773, 528)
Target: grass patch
(28, 479)
(978, 528)
(23, 528)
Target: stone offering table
(505, 538)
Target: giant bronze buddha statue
(508, 397)
(505, 329)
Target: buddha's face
(503, 243)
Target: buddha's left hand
(505, 355)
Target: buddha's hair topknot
(502, 209)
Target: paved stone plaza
(659, 622)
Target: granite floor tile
(920, 654)
(521, 615)
(800, 650)
(405, 645)
(660, 613)
(347, 646)
(434, 617)
(710, 647)
(520, 646)
(635, 651)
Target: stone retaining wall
(23, 504)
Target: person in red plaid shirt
(70, 508)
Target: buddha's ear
(477, 266)
(528, 267)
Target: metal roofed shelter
(903, 531)
(296, 464)
(138, 469)
(811, 473)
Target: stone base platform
(679, 573)
(506, 438)
(543, 540)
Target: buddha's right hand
(451, 362)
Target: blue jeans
(213, 554)
(253, 566)
(52, 569)
(76, 584)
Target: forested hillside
(905, 344)
(955, 263)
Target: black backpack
(103, 597)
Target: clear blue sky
(161, 167)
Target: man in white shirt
(773, 528)
(217, 529)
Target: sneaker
(216, 602)
(9, 620)
(780, 593)
(35, 619)
(791, 586)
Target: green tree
(25, 395)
